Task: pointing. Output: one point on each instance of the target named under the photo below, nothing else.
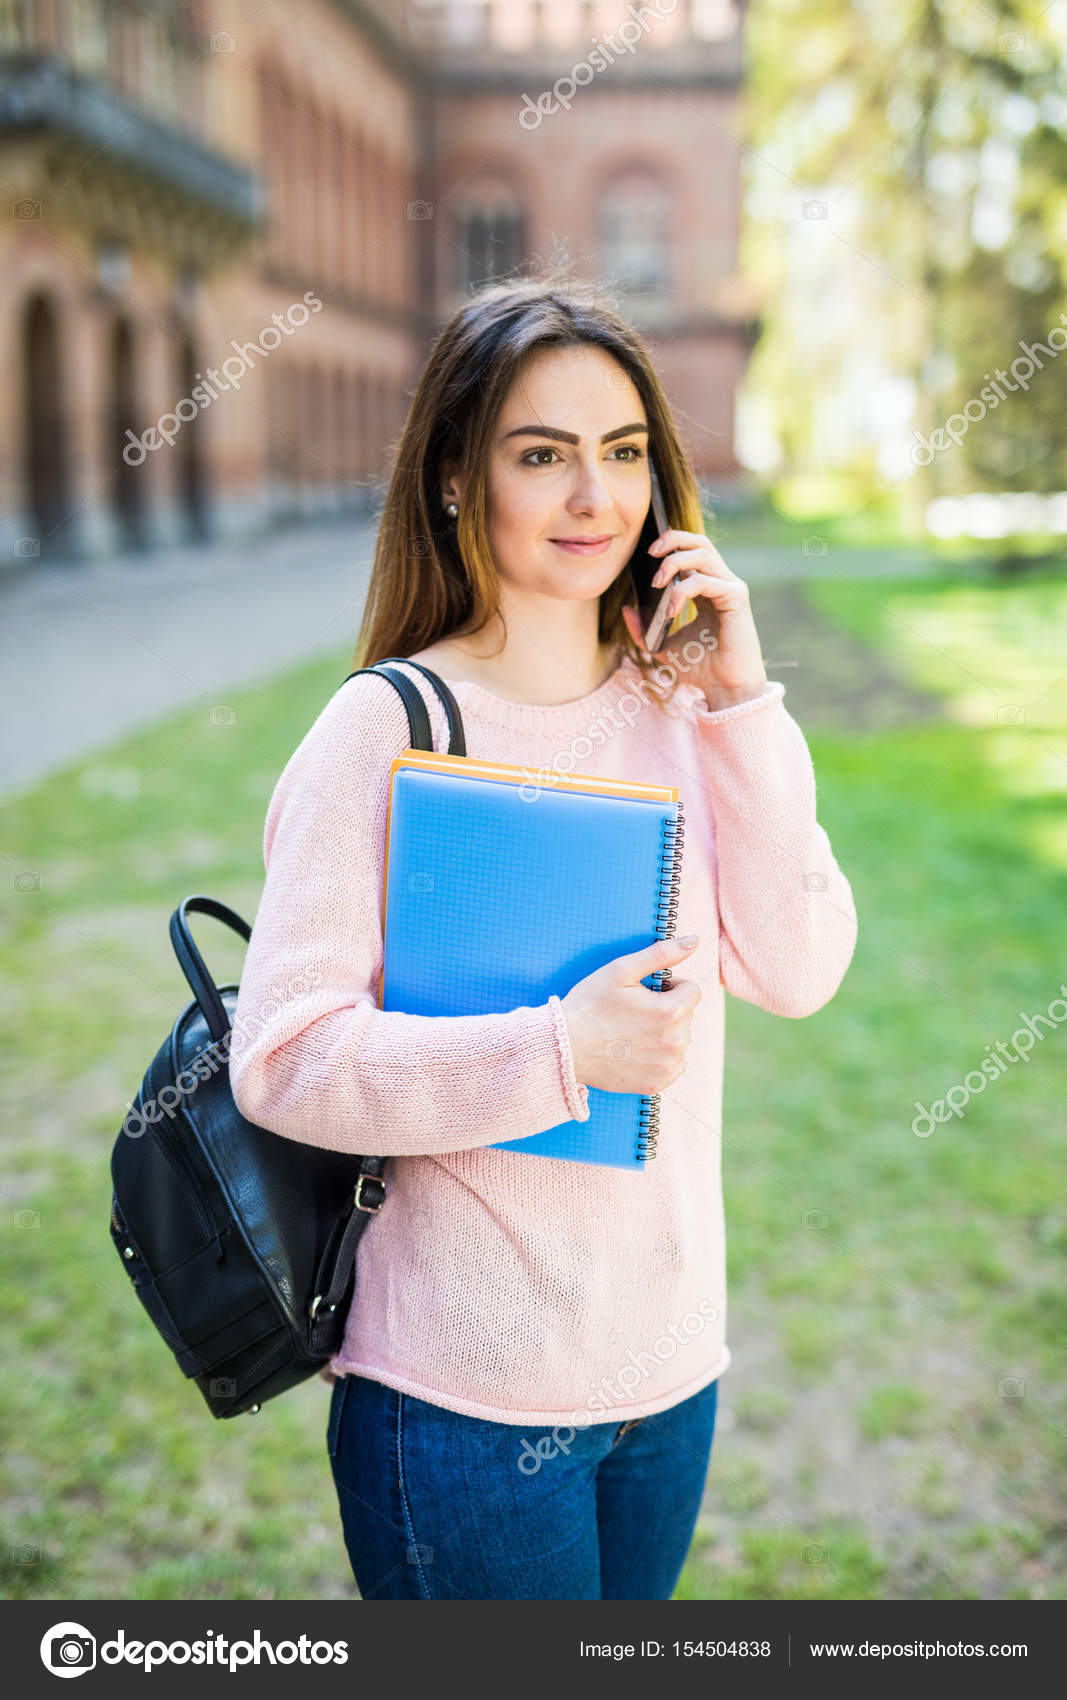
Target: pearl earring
(451, 510)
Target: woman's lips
(592, 547)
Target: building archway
(46, 463)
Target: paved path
(91, 651)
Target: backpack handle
(192, 963)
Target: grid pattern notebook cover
(506, 884)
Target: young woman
(525, 1398)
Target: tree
(932, 131)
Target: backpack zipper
(189, 1183)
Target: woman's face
(568, 460)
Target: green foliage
(933, 136)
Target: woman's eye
(624, 448)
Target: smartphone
(652, 602)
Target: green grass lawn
(759, 521)
(883, 1287)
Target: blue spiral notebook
(506, 884)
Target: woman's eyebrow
(570, 436)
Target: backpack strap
(418, 716)
(369, 1191)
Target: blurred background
(229, 231)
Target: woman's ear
(452, 481)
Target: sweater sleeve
(787, 918)
(312, 1056)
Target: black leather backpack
(241, 1244)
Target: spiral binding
(666, 926)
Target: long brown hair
(433, 575)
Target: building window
(635, 237)
(489, 240)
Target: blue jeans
(439, 1506)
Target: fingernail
(689, 941)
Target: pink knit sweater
(518, 1288)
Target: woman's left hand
(731, 667)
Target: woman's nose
(590, 493)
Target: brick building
(230, 229)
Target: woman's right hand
(624, 1037)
